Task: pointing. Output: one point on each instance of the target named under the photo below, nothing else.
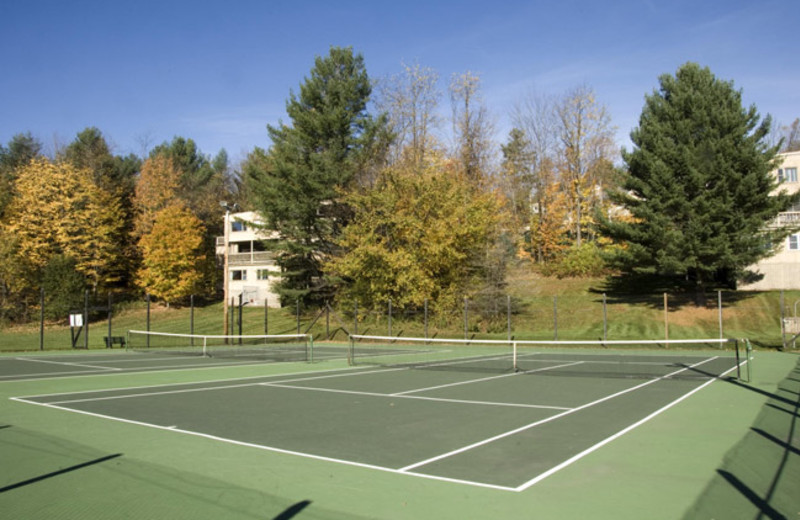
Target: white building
(782, 270)
(251, 270)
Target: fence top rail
(719, 341)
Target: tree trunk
(699, 291)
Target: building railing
(789, 218)
(254, 257)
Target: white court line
(620, 433)
(417, 397)
(148, 394)
(27, 377)
(543, 421)
(166, 385)
(489, 378)
(49, 361)
(174, 428)
(169, 392)
(164, 369)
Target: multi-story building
(782, 270)
(251, 270)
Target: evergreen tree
(310, 162)
(63, 287)
(698, 185)
(517, 177)
(21, 150)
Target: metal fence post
(426, 318)
(110, 308)
(466, 318)
(508, 315)
(86, 318)
(147, 325)
(41, 318)
(555, 318)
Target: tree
(535, 115)
(310, 163)
(115, 177)
(472, 128)
(415, 237)
(586, 136)
(791, 136)
(21, 150)
(156, 189)
(201, 183)
(410, 100)
(516, 173)
(698, 185)
(63, 287)
(58, 210)
(172, 255)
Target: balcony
(789, 218)
(251, 258)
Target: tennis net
(645, 359)
(274, 347)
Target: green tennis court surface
(505, 430)
(436, 435)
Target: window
(238, 225)
(787, 174)
(238, 275)
(794, 242)
(262, 274)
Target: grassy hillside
(543, 308)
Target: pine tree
(698, 184)
(310, 162)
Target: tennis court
(467, 423)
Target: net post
(738, 361)
(515, 366)
(310, 354)
(350, 350)
(205, 346)
(749, 353)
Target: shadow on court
(759, 477)
(62, 471)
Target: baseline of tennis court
(499, 430)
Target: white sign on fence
(76, 320)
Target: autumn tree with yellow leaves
(416, 236)
(172, 259)
(58, 210)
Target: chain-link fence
(101, 321)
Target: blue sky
(219, 72)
